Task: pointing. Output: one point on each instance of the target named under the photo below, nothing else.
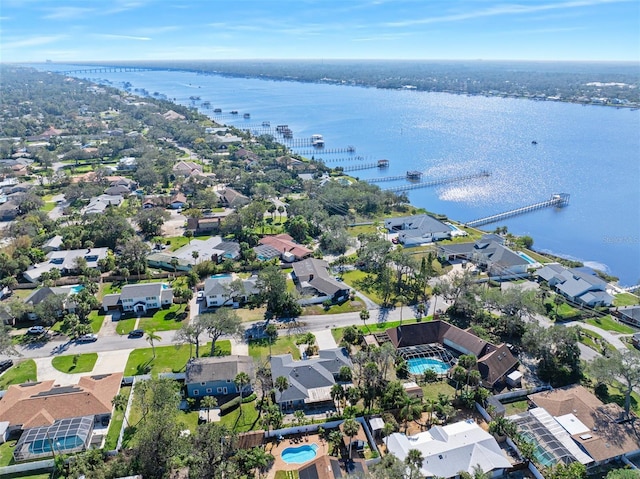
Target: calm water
(592, 153)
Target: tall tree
(208, 403)
(619, 367)
(223, 321)
(350, 427)
(414, 461)
(241, 381)
(152, 337)
(212, 449)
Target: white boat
(317, 141)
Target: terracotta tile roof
(40, 404)
(285, 244)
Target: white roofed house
(447, 450)
(217, 292)
(139, 298)
(65, 261)
(576, 285)
(418, 229)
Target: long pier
(106, 70)
(367, 166)
(326, 151)
(438, 181)
(558, 200)
(410, 176)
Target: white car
(87, 338)
(200, 295)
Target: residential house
(310, 380)
(8, 211)
(98, 204)
(572, 424)
(635, 340)
(313, 274)
(286, 248)
(418, 229)
(19, 188)
(233, 198)
(45, 412)
(577, 285)
(629, 315)
(216, 291)
(187, 168)
(178, 201)
(488, 254)
(172, 115)
(128, 163)
(212, 249)
(205, 225)
(447, 450)
(66, 262)
(214, 376)
(40, 294)
(148, 203)
(139, 298)
(52, 244)
(495, 362)
(117, 190)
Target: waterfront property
(440, 341)
(215, 376)
(447, 450)
(139, 298)
(310, 380)
(60, 416)
(418, 229)
(629, 314)
(488, 254)
(571, 424)
(577, 285)
(65, 261)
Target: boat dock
(410, 175)
(367, 166)
(325, 151)
(558, 200)
(438, 181)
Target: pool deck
(276, 449)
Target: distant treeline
(566, 81)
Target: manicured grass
(593, 340)
(165, 319)
(125, 325)
(18, 374)
(6, 453)
(248, 421)
(48, 206)
(28, 475)
(565, 312)
(116, 423)
(625, 299)
(609, 324)
(169, 359)
(346, 307)
(287, 475)
(432, 390)
(354, 231)
(97, 318)
(116, 286)
(259, 349)
(250, 315)
(516, 407)
(353, 277)
(373, 327)
(84, 363)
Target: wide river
(590, 152)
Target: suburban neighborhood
(183, 299)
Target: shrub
(250, 398)
(232, 405)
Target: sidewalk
(107, 362)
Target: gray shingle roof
(132, 291)
(217, 368)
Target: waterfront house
(310, 380)
(214, 376)
(447, 450)
(139, 298)
(66, 261)
(577, 285)
(629, 315)
(418, 229)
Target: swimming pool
(300, 454)
(526, 257)
(221, 275)
(420, 365)
(76, 289)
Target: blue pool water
(61, 444)
(300, 454)
(76, 289)
(527, 258)
(221, 275)
(420, 365)
(165, 286)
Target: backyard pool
(420, 365)
(76, 289)
(221, 275)
(526, 257)
(300, 454)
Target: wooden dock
(410, 175)
(438, 181)
(558, 200)
(366, 166)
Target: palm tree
(119, 402)
(195, 255)
(335, 439)
(152, 337)
(280, 211)
(350, 427)
(337, 393)
(364, 315)
(174, 263)
(414, 461)
(282, 384)
(208, 402)
(387, 430)
(241, 380)
(402, 299)
(410, 411)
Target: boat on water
(194, 97)
(534, 142)
(317, 141)
(414, 174)
(247, 115)
(217, 110)
(266, 123)
(234, 112)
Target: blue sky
(66, 30)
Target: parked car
(200, 295)
(6, 364)
(87, 338)
(36, 330)
(136, 333)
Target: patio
(275, 448)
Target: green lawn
(516, 407)
(609, 324)
(593, 340)
(177, 242)
(169, 359)
(372, 327)
(18, 374)
(125, 326)
(96, 317)
(116, 423)
(165, 319)
(28, 475)
(259, 349)
(6, 453)
(565, 311)
(48, 206)
(625, 299)
(116, 286)
(432, 390)
(84, 363)
(248, 421)
(354, 276)
(346, 307)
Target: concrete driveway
(107, 362)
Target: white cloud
(66, 13)
(112, 36)
(32, 41)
